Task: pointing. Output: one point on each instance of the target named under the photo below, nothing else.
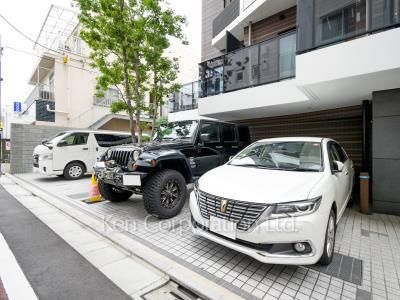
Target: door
(209, 154)
(73, 147)
(342, 180)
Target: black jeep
(179, 153)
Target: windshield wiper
(303, 170)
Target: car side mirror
(338, 166)
(62, 143)
(205, 137)
(230, 157)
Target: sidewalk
(54, 268)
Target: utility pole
(1, 129)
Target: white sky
(28, 17)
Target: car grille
(121, 157)
(36, 160)
(244, 214)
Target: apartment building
(327, 68)
(64, 83)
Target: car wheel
(164, 194)
(73, 171)
(110, 192)
(329, 245)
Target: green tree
(122, 37)
(162, 25)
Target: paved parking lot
(373, 240)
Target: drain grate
(344, 267)
(171, 291)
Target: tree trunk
(138, 100)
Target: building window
(343, 22)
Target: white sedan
(278, 201)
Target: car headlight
(294, 209)
(136, 155)
(46, 156)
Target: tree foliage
(128, 39)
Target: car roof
(294, 139)
(97, 131)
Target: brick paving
(374, 239)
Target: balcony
(185, 99)
(110, 96)
(352, 48)
(326, 22)
(237, 16)
(267, 62)
(40, 92)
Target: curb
(191, 280)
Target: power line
(26, 36)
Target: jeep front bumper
(119, 178)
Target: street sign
(17, 106)
(8, 145)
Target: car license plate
(223, 227)
(131, 180)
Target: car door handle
(219, 147)
(85, 148)
(347, 173)
(235, 147)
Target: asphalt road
(53, 268)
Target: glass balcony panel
(241, 68)
(269, 61)
(287, 56)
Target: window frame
(222, 136)
(218, 129)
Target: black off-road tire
(110, 192)
(71, 171)
(156, 185)
(326, 257)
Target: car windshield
(176, 130)
(287, 156)
(55, 139)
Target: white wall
(370, 54)
(255, 99)
(183, 115)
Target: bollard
(364, 192)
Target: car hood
(42, 149)
(154, 145)
(259, 185)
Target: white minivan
(73, 153)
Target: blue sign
(17, 106)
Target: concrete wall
(24, 138)
(385, 151)
(210, 9)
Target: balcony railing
(40, 92)
(230, 13)
(269, 61)
(324, 22)
(110, 96)
(185, 99)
